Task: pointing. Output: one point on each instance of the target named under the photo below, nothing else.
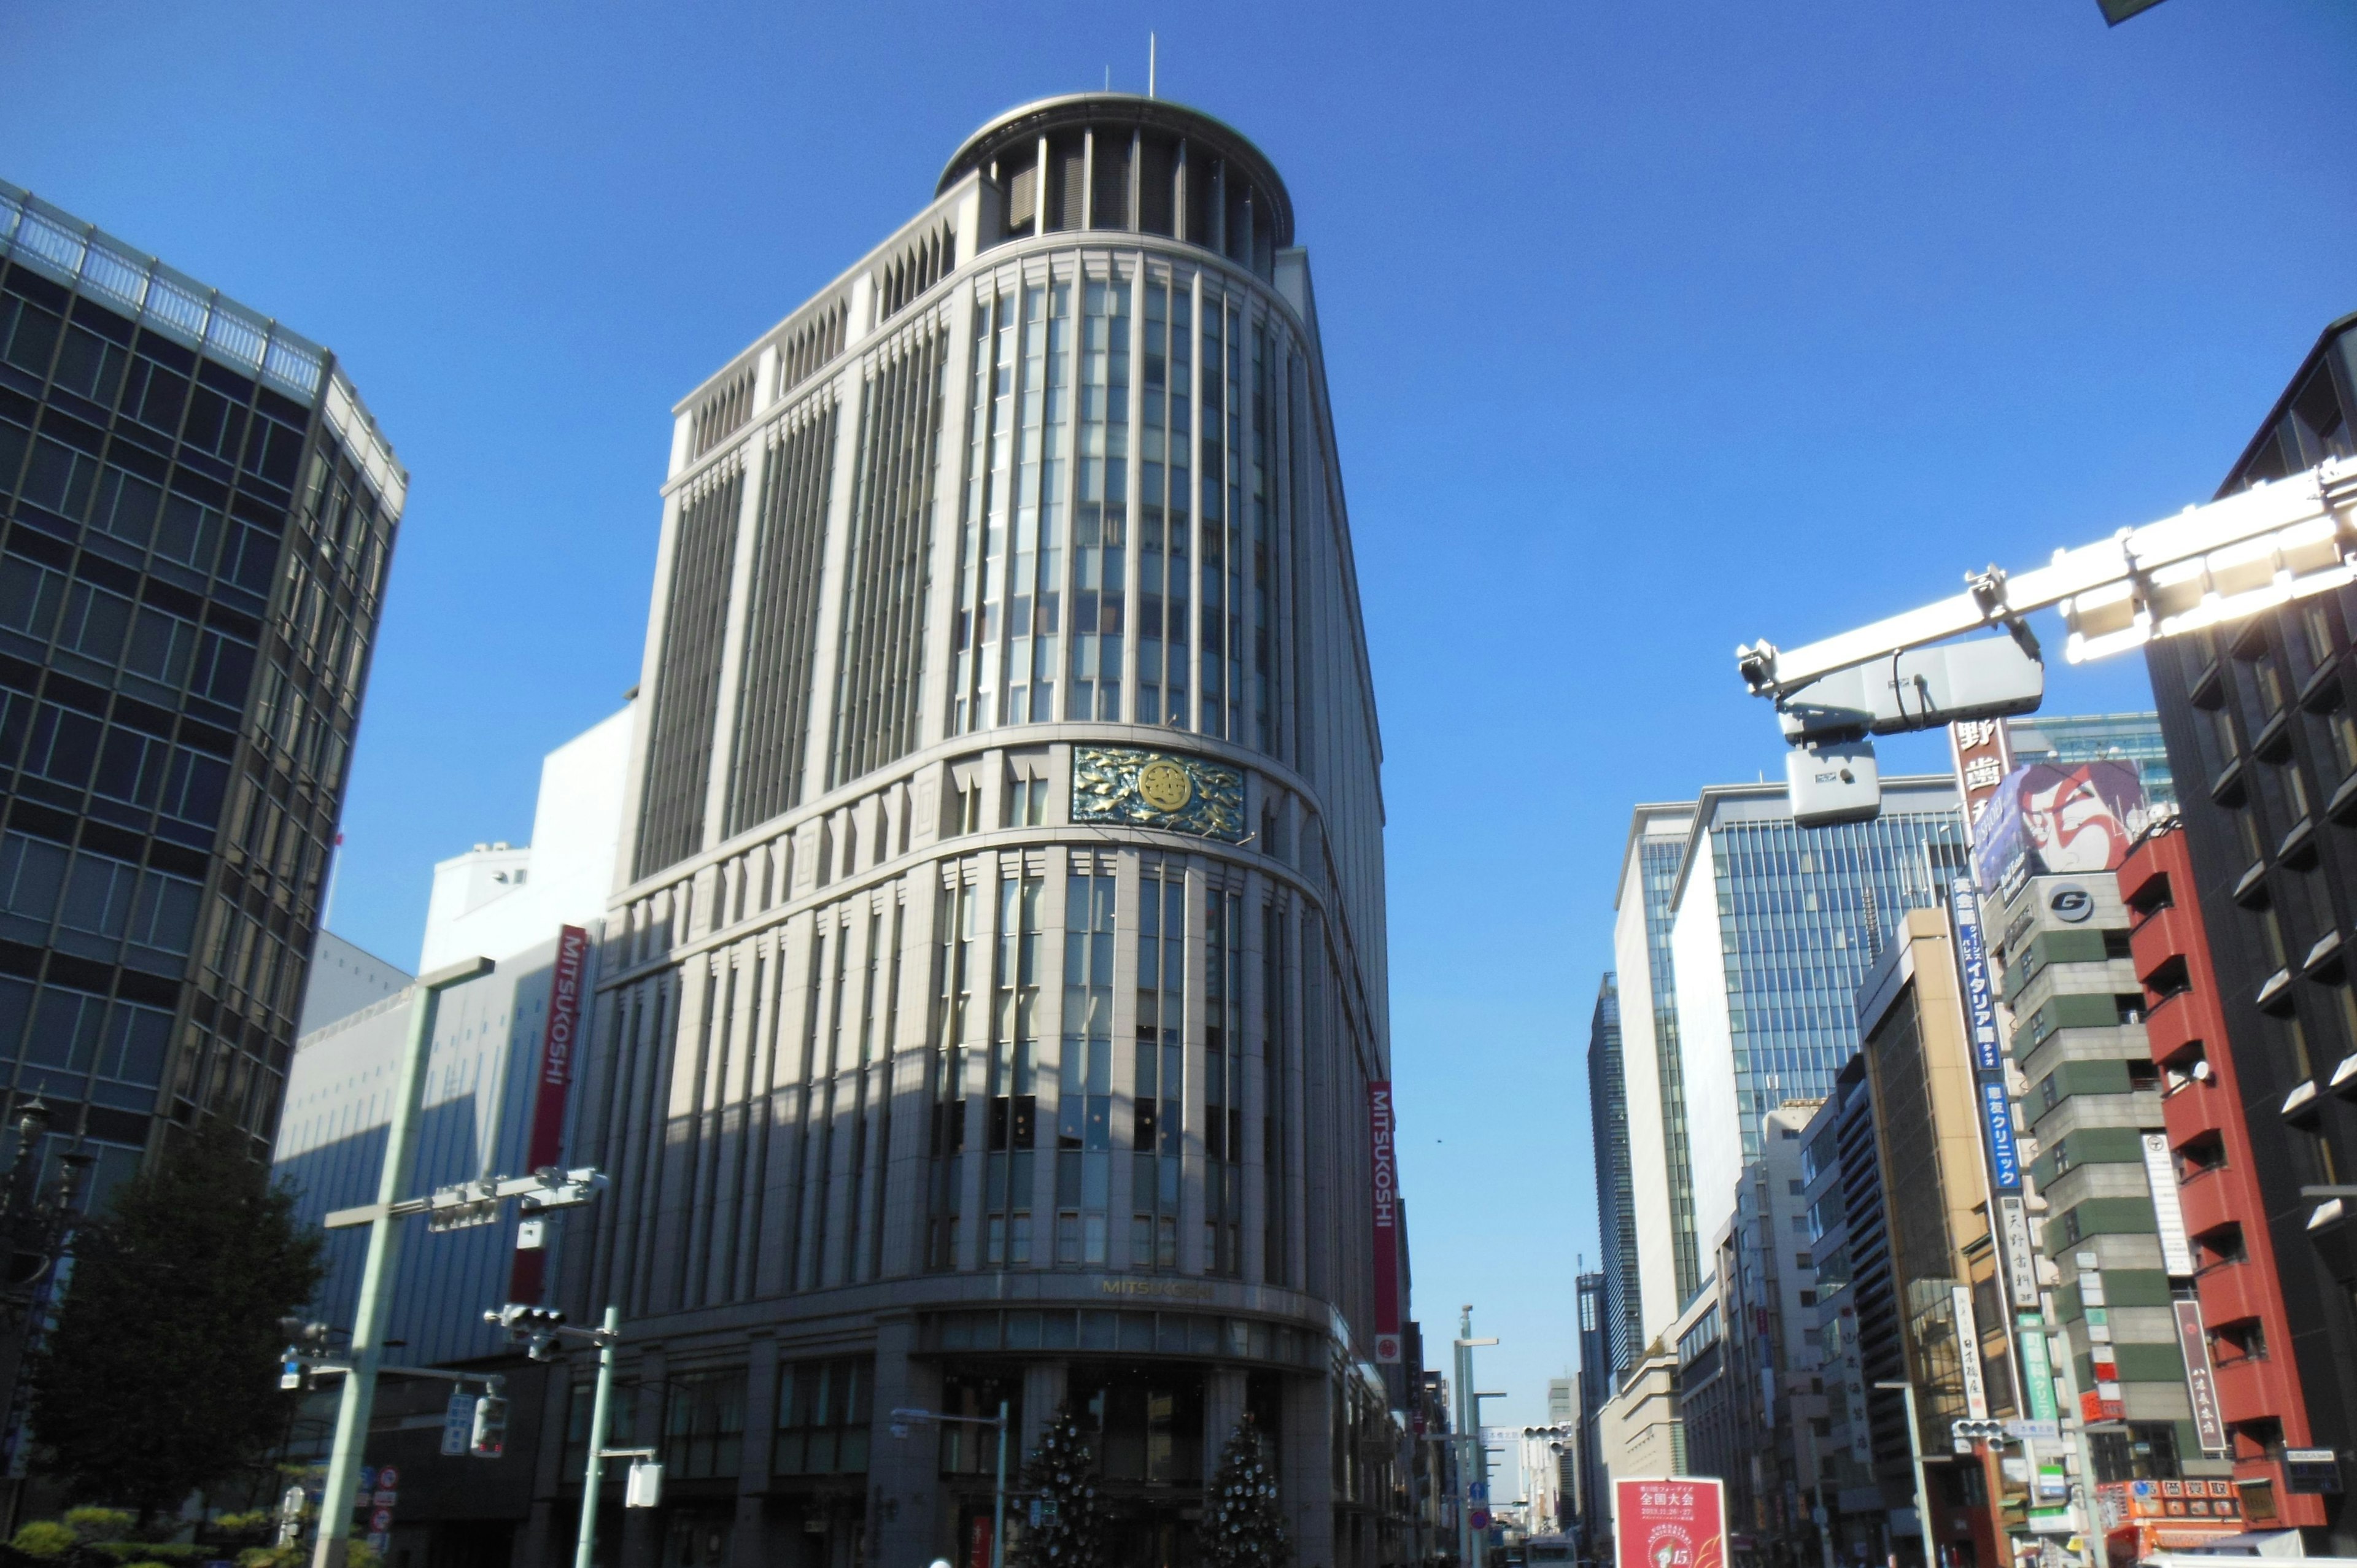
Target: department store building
(993, 1004)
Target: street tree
(159, 1378)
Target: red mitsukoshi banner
(1383, 1171)
(1678, 1521)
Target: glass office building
(198, 516)
(1616, 1194)
(2098, 737)
(1775, 925)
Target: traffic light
(1968, 1429)
(490, 1438)
(534, 1328)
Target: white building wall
(507, 905)
(344, 978)
(1712, 1121)
(1648, 1144)
(502, 899)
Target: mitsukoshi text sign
(1382, 1167)
(1676, 1522)
(545, 1146)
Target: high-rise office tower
(1616, 1195)
(994, 1009)
(1753, 933)
(199, 514)
(2261, 717)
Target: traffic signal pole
(586, 1548)
(376, 1278)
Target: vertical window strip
(1276, 987)
(1165, 527)
(1012, 1088)
(1224, 1076)
(827, 1086)
(1084, 1088)
(773, 700)
(983, 529)
(889, 1054)
(1042, 434)
(1161, 1070)
(881, 659)
(1101, 522)
(855, 1208)
(953, 982)
(1212, 604)
(687, 679)
(805, 1120)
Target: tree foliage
(1063, 1471)
(159, 1378)
(1242, 1525)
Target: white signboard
(2020, 1258)
(1968, 1354)
(2160, 1172)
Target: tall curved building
(996, 1001)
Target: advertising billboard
(2050, 818)
(1677, 1521)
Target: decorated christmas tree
(1242, 1527)
(1061, 1477)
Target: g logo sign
(2071, 902)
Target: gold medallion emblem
(1164, 785)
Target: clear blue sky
(1652, 327)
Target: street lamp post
(1915, 1458)
(1472, 1545)
(376, 1276)
(998, 1486)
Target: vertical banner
(2201, 1381)
(551, 1090)
(2020, 1257)
(2005, 1157)
(1383, 1173)
(1674, 1522)
(2038, 1367)
(1980, 994)
(1983, 753)
(1968, 1352)
(2168, 1215)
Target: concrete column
(749, 1544)
(1223, 1406)
(907, 1520)
(1045, 1384)
(1305, 1470)
(641, 1539)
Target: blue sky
(1652, 329)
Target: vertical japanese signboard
(1383, 1174)
(1983, 753)
(1980, 992)
(1674, 1522)
(2037, 1365)
(553, 1086)
(2005, 1156)
(2201, 1381)
(1968, 1352)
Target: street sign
(381, 1521)
(383, 1498)
(388, 1476)
(458, 1424)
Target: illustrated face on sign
(2071, 821)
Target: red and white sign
(1678, 1521)
(1384, 1167)
(557, 1042)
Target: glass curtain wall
(1084, 1088)
(1223, 1082)
(953, 1009)
(1014, 1072)
(1160, 1067)
(1101, 524)
(1165, 509)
